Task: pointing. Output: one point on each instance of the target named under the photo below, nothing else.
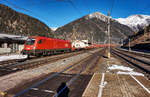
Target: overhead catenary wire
(72, 4)
(86, 6)
(36, 84)
(24, 9)
(142, 11)
(112, 6)
(17, 7)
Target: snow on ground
(117, 67)
(130, 73)
(10, 57)
(128, 70)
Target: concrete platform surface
(117, 85)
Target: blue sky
(57, 13)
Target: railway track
(10, 62)
(17, 65)
(141, 54)
(73, 75)
(14, 61)
(80, 82)
(4, 64)
(131, 58)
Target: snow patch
(127, 70)
(54, 28)
(117, 67)
(10, 57)
(130, 73)
(97, 15)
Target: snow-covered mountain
(53, 28)
(135, 22)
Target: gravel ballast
(12, 80)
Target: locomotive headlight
(34, 47)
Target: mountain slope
(94, 26)
(12, 22)
(136, 22)
(140, 37)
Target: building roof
(12, 38)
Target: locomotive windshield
(30, 41)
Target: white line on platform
(140, 84)
(49, 91)
(101, 85)
(34, 88)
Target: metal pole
(145, 33)
(92, 38)
(121, 42)
(108, 35)
(129, 45)
(74, 34)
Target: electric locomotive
(38, 46)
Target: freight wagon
(80, 44)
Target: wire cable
(26, 10)
(74, 6)
(112, 6)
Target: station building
(11, 43)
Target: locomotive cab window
(30, 41)
(40, 41)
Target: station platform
(117, 80)
(116, 85)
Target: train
(40, 46)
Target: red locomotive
(38, 46)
